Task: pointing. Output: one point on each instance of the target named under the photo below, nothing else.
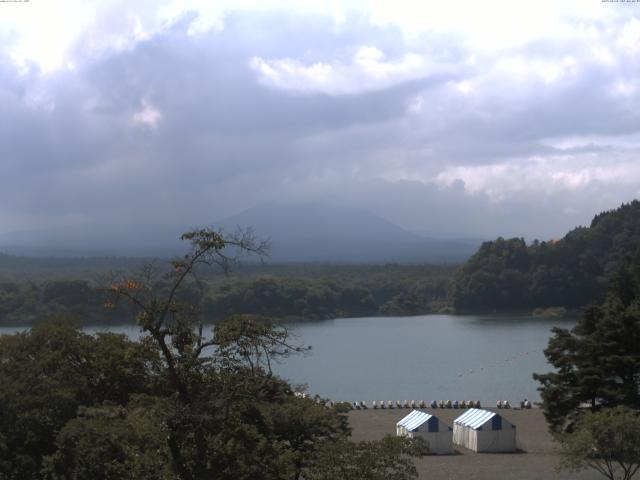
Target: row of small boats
(390, 404)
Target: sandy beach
(535, 460)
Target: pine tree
(598, 361)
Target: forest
(509, 274)
(293, 292)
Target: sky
(450, 119)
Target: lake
(429, 357)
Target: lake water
(428, 357)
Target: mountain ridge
(324, 232)
(302, 232)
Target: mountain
(570, 272)
(321, 232)
(298, 233)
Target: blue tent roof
(412, 421)
(474, 418)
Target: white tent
(484, 431)
(430, 428)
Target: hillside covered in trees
(294, 291)
(503, 275)
(508, 274)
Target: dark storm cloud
(181, 129)
(71, 145)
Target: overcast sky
(467, 119)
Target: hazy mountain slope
(315, 232)
(298, 232)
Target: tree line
(503, 275)
(363, 291)
(508, 274)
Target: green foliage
(597, 363)
(26, 303)
(287, 298)
(84, 407)
(343, 291)
(110, 443)
(388, 459)
(310, 292)
(607, 441)
(46, 374)
(570, 272)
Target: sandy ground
(536, 458)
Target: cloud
(629, 37)
(148, 115)
(367, 70)
(168, 114)
(544, 175)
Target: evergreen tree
(569, 272)
(598, 361)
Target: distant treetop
(570, 272)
